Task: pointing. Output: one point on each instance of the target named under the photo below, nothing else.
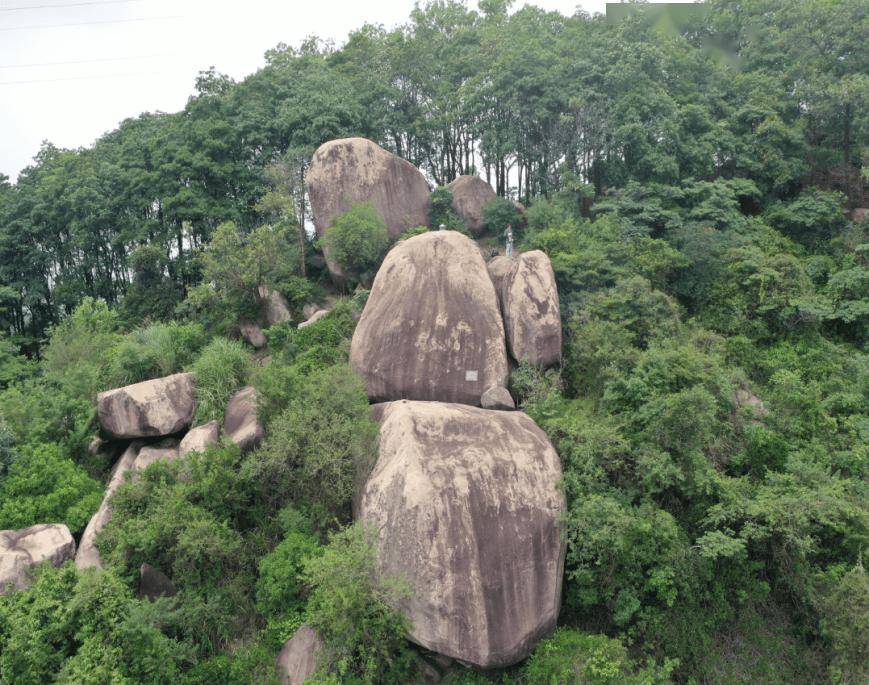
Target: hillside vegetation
(696, 180)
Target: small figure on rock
(509, 235)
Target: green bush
(279, 590)
(158, 350)
(43, 486)
(440, 211)
(221, 369)
(357, 240)
(498, 214)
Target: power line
(72, 4)
(88, 23)
(85, 61)
(84, 78)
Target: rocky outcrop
(161, 406)
(471, 194)
(431, 328)
(497, 397)
(499, 268)
(88, 556)
(275, 308)
(252, 332)
(200, 438)
(466, 504)
(21, 550)
(532, 317)
(314, 318)
(165, 450)
(348, 171)
(153, 583)
(297, 660)
(240, 423)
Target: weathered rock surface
(316, 316)
(165, 450)
(466, 503)
(497, 397)
(251, 332)
(240, 422)
(275, 308)
(532, 317)
(88, 556)
(470, 196)
(297, 660)
(348, 171)
(499, 268)
(161, 406)
(200, 438)
(153, 583)
(431, 328)
(21, 550)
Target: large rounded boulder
(22, 550)
(431, 328)
(158, 407)
(471, 194)
(466, 504)
(532, 316)
(348, 171)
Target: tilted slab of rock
(314, 318)
(466, 504)
(499, 268)
(431, 328)
(161, 406)
(240, 423)
(348, 171)
(200, 438)
(297, 660)
(471, 194)
(21, 550)
(532, 316)
(165, 450)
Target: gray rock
(471, 194)
(251, 332)
(297, 660)
(165, 450)
(200, 438)
(275, 308)
(467, 507)
(316, 316)
(153, 583)
(88, 556)
(431, 328)
(161, 406)
(499, 268)
(348, 171)
(532, 317)
(21, 550)
(240, 422)
(497, 397)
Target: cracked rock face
(471, 194)
(348, 171)
(431, 328)
(161, 406)
(21, 550)
(466, 504)
(532, 316)
(297, 660)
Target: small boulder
(316, 316)
(499, 268)
(165, 450)
(497, 397)
(153, 583)
(251, 332)
(471, 194)
(275, 308)
(297, 660)
(532, 316)
(348, 171)
(88, 556)
(21, 550)
(161, 406)
(466, 503)
(431, 328)
(240, 422)
(200, 438)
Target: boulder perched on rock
(314, 318)
(275, 308)
(497, 397)
(88, 556)
(499, 268)
(532, 317)
(200, 438)
(470, 196)
(348, 171)
(240, 423)
(153, 583)
(21, 550)
(466, 504)
(431, 329)
(297, 660)
(161, 406)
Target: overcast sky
(71, 70)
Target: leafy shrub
(43, 486)
(498, 214)
(155, 351)
(357, 241)
(221, 369)
(440, 211)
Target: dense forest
(696, 179)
